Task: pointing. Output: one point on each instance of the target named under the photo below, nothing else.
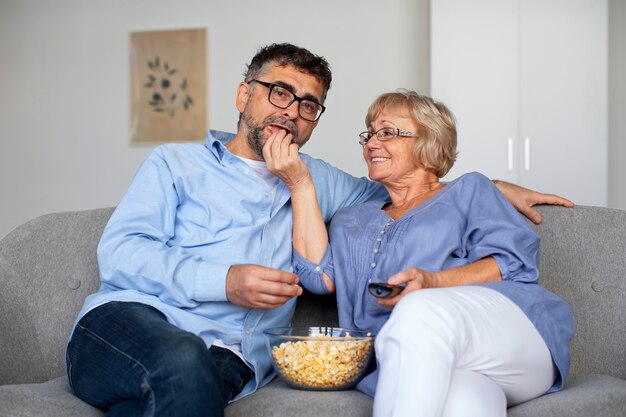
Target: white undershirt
(261, 170)
(272, 182)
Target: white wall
(64, 83)
(617, 104)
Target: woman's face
(393, 159)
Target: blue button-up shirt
(192, 211)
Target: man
(195, 262)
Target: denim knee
(123, 352)
(186, 356)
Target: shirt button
(266, 195)
(373, 264)
(382, 232)
(375, 250)
(265, 258)
(378, 239)
(317, 268)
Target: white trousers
(458, 352)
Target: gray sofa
(48, 266)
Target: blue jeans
(127, 359)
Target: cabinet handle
(527, 153)
(510, 155)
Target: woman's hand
(283, 160)
(477, 272)
(523, 199)
(414, 278)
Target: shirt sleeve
(337, 189)
(495, 228)
(310, 274)
(134, 252)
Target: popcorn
(329, 362)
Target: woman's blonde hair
(436, 147)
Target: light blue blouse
(466, 221)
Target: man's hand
(523, 199)
(256, 286)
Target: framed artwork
(168, 86)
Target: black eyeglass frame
(365, 137)
(271, 87)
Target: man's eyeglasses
(282, 98)
(384, 134)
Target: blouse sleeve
(495, 228)
(310, 274)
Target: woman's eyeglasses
(384, 134)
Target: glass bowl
(320, 358)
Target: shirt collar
(216, 141)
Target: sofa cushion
(55, 399)
(586, 395)
(50, 399)
(583, 396)
(278, 400)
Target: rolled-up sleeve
(496, 229)
(310, 273)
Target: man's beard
(256, 135)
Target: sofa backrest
(48, 266)
(583, 260)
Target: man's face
(260, 119)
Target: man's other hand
(523, 199)
(256, 286)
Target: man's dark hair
(283, 54)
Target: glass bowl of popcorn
(320, 358)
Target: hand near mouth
(282, 157)
(275, 128)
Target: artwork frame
(168, 85)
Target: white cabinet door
(527, 81)
(564, 98)
(474, 71)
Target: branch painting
(168, 86)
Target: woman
(443, 347)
